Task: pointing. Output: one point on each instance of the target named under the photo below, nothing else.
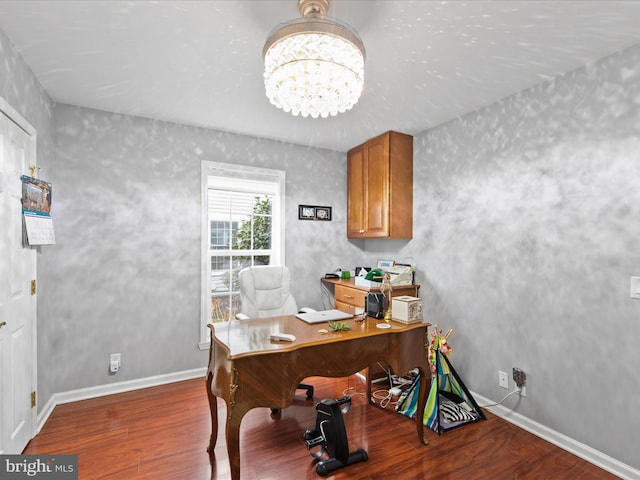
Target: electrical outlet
(503, 379)
(523, 392)
(115, 362)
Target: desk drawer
(350, 296)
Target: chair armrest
(242, 316)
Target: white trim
(16, 118)
(277, 255)
(583, 451)
(13, 115)
(205, 267)
(110, 389)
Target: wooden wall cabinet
(380, 187)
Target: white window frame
(277, 241)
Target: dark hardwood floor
(162, 433)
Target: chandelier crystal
(314, 65)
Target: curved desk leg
(422, 403)
(233, 439)
(213, 406)
(235, 413)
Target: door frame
(7, 110)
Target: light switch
(634, 289)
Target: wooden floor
(161, 433)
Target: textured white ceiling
(199, 62)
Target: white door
(17, 304)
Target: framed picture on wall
(323, 213)
(306, 212)
(313, 212)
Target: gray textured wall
(528, 222)
(526, 217)
(127, 216)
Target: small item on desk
(331, 275)
(406, 309)
(339, 326)
(283, 337)
(362, 271)
(383, 325)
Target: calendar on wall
(36, 212)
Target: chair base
(308, 388)
(301, 386)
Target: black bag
(375, 305)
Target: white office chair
(265, 291)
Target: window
(242, 226)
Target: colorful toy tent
(449, 403)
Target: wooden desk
(348, 296)
(248, 370)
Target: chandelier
(313, 65)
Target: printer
(399, 275)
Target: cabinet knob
(350, 297)
(361, 231)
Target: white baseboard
(583, 451)
(111, 388)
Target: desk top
(243, 337)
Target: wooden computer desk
(248, 370)
(347, 295)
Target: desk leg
(213, 406)
(232, 429)
(233, 439)
(422, 403)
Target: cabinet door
(376, 206)
(356, 172)
(380, 188)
